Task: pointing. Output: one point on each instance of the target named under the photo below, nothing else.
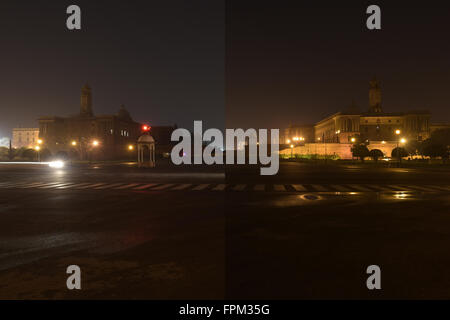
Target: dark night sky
(298, 61)
(165, 60)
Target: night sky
(163, 59)
(295, 62)
(286, 61)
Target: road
(194, 233)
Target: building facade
(88, 136)
(375, 127)
(25, 137)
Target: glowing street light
(402, 140)
(95, 143)
(383, 142)
(353, 139)
(130, 147)
(397, 132)
(74, 143)
(37, 148)
(296, 138)
(39, 141)
(288, 141)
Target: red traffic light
(145, 127)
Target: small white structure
(145, 144)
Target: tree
(399, 153)
(360, 151)
(375, 154)
(434, 150)
(438, 145)
(29, 154)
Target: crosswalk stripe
(239, 187)
(260, 187)
(397, 187)
(220, 187)
(319, 187)
(279, 187)
(360, 188)
(107, 186)
(130, 185)
(21, 184)
(442, 188)
(35, 185)
(53, 185)
(201, 187)
(90, 186)
(381, 188)
(72, 185)
(164, 186)
(420, 188)
(182, 186)
(299, 187)
(340, 188)
(145, 186)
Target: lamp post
(94, 144)
(397, 132)
(38, 148)
(292, 149)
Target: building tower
(375, 96)
(86, 101)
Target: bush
(375, 154)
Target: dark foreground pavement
(144, 244)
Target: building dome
(146, 139)
(123, 113)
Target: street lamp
(95, 143)
(397, 132)
(74, 143)
(131, 147)
(353, 140)
(292, 149)
(38, 148)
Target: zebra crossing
(217, 187)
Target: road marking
(53, 185)
(35, 185)
(260, 187)
(420, 188)
(163, 186)
(279, 187)
(72, 185)
(21, 184)
(90, 186)
(201, 187)
(319, 187)
(220, 187)
(442, 188)
(239, 187)
(109, 186)
(145, 186)
(397, 187)
(127, 186)
(299, 187)
(182, 186)
(360, 188)
(381, 188)
(340, 188)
